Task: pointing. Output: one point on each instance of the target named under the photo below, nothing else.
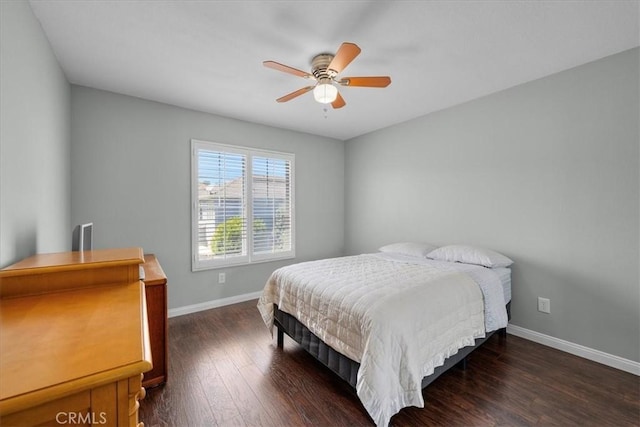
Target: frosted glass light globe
(325, 93)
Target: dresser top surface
(44, 263)
(154, 275)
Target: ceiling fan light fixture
(325, 92)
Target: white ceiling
(207, 55)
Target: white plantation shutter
(221, 204)
(231, 184)
(272, 207)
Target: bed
(390, 322)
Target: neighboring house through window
(231, 184)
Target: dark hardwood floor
(225, 370)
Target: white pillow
(470, 255)
(408, 248)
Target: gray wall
(131, 177)
(545, 172)
(34, 140)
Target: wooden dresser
(155, 282)
(74, 339)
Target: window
(243, 207)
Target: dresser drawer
(74, 410)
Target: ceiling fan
(325, 68)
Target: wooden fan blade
(339, 102)
(346, 53)
(286, 69)
(378, 81)
(295, 94)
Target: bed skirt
(343, 366)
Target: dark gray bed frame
(346, 368)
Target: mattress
(504, 274)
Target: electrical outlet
(544, 305)
(222, 277)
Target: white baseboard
(187, 309)
(576, 349)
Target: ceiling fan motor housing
(319, 66)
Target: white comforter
(398, 318)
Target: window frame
(198, 264)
